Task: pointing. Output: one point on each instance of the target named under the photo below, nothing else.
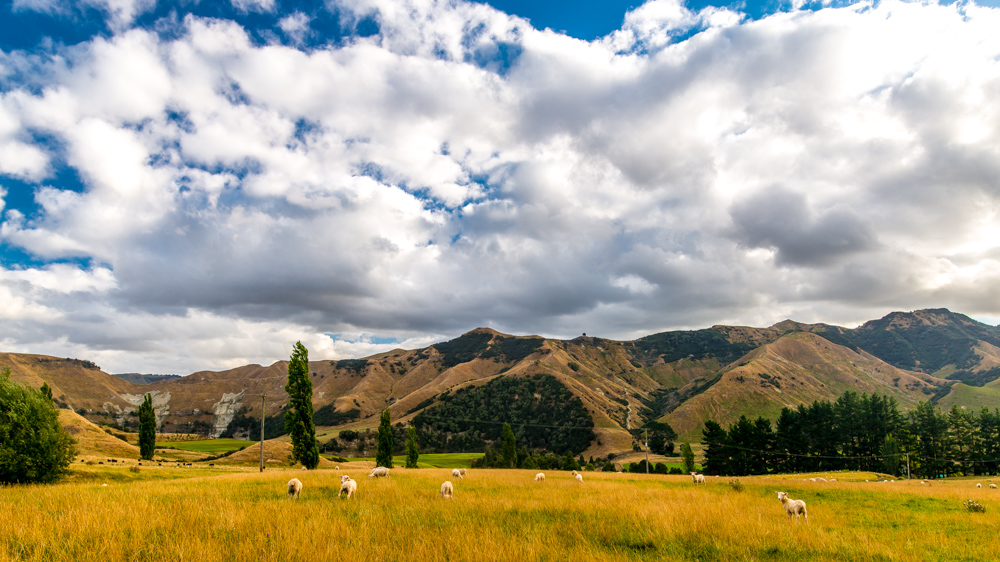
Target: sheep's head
(782, 495)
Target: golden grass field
(204, 514)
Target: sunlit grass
(230, 514)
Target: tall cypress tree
(687, 457)
(147, 428)
(411, 447)
(299, 415)
(383, 455)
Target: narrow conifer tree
(509, 447)
(299, 415)
(411, 447)
(46, 390)
(383, 455)
(147, 428)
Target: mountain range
(679, 377)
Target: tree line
(858, 432)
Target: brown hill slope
(75, 383)
(798, 368)
(92, 441)
(681, 377)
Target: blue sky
(189, 185)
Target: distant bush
(328, 415)
(675, 470)
(736, 485)
(660, 468)
(355, 365)
(574, 365)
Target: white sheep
(461, 472)
(447, 490)
(294, 487)
(540, 477)
(347, 484)
(336, 468)
(575, 473)
(793, 507)
(698, 478)
(820, 479)
(456, 473)
(579, 477)
(993, 486)
(979, 485)
(379, 471)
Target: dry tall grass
(495, 515)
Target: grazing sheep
(379, 471)
(698, 478)
(579, 477)
(456, 473)
(461, 472)
(347, 484)
(575, 473)
(294, 487)
(303, 468)
(447, 490)
(540, 477)
(993, 486)
(793, 507)
(979, 485)
(820, 479)
(833, 480)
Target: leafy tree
(687, 457)
(33, 446)
(299, 415)
(509, 447)
(411, 447)
(569, 463)
(46, 390)
(383, 454)
(147, 428)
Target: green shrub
(33, 446)
(974, 506)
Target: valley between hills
(680, 378)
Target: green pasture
(430, 460)
(208, 446)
